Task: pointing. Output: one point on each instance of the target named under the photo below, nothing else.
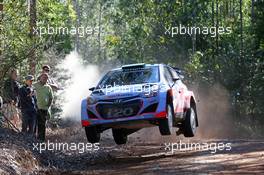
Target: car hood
(125, 90)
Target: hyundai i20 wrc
(137, 96)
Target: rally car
(136, 96)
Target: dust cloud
(78, 78)
(214, 114)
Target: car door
(169, 78)
(179, 89)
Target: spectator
(1, 102)
(44, 96)
(1, 105)
(28, 105)
(10, 97)
(51, 82)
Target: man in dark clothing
(10, 97)
(11, 88)
(28, 104)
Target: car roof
(136, 65)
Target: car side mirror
(92, 88)
(176, 79)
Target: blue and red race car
(137, 96)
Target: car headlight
(91, 100)
(150, 94)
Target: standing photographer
(28, 104)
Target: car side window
(167, 75)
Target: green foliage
(134, 31)
(17, 43)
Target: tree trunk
(217, 26)
(241, 29)
(252, 11)
(77, 39)
(213, 24)
(2, 70)
(233, 9)
(1, 29)
(32, 25)
(99, 34)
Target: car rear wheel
(190, 123)
(166, 125)
(120, 136)
(93, 136)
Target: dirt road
(149, 157)
(142, 155)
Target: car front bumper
(147, 116)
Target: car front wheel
(190, 123)
(93, 136)
(120, 136)
(166, 125)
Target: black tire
(166, 125)
(190, 123)
(93, 136)
(120, 136)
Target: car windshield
(131, 76)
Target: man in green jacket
(44, 96)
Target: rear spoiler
(134, 66)
(131, 67)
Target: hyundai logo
(118, 101)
